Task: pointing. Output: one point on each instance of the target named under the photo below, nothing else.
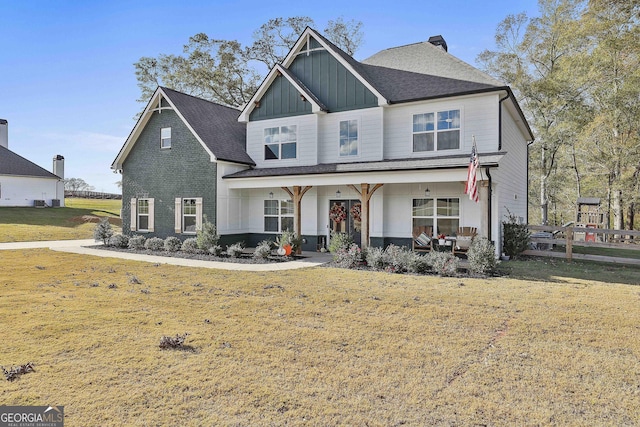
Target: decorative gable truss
(314, 72)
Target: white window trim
(359, 147)
(179, 215)
(264, 144)
(435, 131)
(279, 215)
(434, 217)
(162, 139)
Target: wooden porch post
(296, 197)
(365, 197)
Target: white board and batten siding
(370, 130)
(230, 209)
(478, 117)
(306, 144)
(510, 179)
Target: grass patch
(316, 346)
(75, 221)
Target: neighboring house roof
(214, 125)
(441, 162)
(14, 164)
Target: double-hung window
(278, 216)
(436, 131)
(189, 216)
(280, 142)
(348, 138)
(142, 213)
(165, 138)
(443, 214)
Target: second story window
(349, 138)
(280, 142)
(165, 138)
(436, 131)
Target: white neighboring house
(23, 183)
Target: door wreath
(337, 213)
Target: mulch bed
(245, 258)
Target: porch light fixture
(338, 194)
(271, 194)
(427, 192)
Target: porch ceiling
(440, 169)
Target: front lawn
(317, 346)
(75, 221)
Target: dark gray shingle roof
(217, 126)
(440, 162)
(400, 85)
(14, 164)
(405, 86)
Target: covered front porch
(377, 207)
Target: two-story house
(327, 143)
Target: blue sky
(67, 82)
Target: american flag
(470, 188)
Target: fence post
(569, 245)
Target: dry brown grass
(314, 347)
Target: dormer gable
(321, 73)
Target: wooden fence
(92, 195)
(546, 239)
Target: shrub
(482, 256)
(119, 241)
(172, 244)
(207, 236)
(515, 236)
(137, 242)
(417, 263)
(103, 231)
(235, 250)
(396, 258)
(263, 250)
(443, 263)
(190, 246)
(350, 257)
(154, 244)
(215, 250)
(340, 241)
(375, 258)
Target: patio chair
(464, 237)
(422, 238)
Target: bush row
(399, 259)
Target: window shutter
(178, 215)
(198, 213)
(134, 215)
(151, 214)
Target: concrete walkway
(312, 259)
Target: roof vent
(439, 42)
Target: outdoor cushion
(463, 242)
(423, 240)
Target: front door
(344, 217)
